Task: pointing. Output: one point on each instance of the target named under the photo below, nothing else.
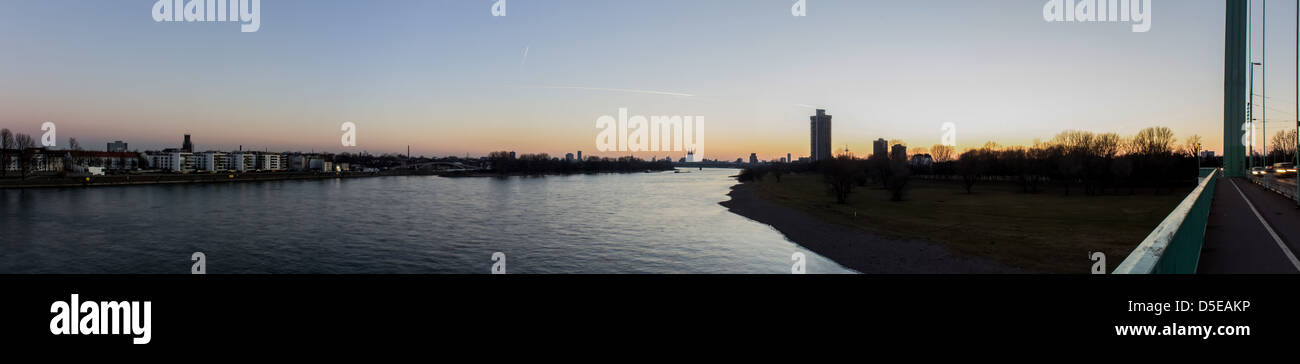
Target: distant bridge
(441, 166)
(710, 165)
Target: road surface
(1251, 229)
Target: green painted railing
(1174, 247)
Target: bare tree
(972, 166)
(1283, 145)
(941, 153)
(899, 173)
(26, 153)
(1122, 168)
(6, 143)
(1154, 141)
(1038, 158)
(1193, 145)
(839, 174)
(1076, 148)
(1107, 145)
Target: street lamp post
(1250, 113)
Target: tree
(839, 174)
(73, 145)
(752, 174)
(1123, 168)
(500, 161)
(1077, 150)
(6, 143)
(1107, 145)
(1283, 145)
(972, 166)
(1194, 147)
(26, 153)
(898, 182)
(941, 153)
(899, 172)
(1038, 158)
(879, 164)
(1154, 141)
(1017, 160)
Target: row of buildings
(184, 160)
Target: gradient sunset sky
(448, 78)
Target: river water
(610, 223)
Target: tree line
(503, 163)
(1076, 161)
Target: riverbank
(235, 177)
(854, 248)
(1049, 231)
(484, 174)
(191, 178)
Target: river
(609, 223)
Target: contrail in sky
(648, 92)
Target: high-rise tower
(820, 130)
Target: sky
(449, 78)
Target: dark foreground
(854, 248)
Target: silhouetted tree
(26, 153)
(899, 173)
(972, 166)
(941, 153)
(6, 144)
(839, 174)
(1281, 148)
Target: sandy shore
(854, 248)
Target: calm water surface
(632, 223)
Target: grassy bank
(1046, 231)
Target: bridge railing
(1174, 247)
(1272, 184)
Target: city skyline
(449, 79)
